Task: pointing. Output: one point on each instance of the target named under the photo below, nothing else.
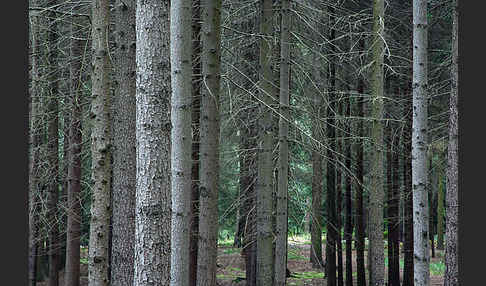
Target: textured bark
(196, 106)
(283, 151)
(98, 260)
(451, 276)
(53, 149)
(181, 98)
(376, 203)
(392, 207)
(419, 146)
(210, 126)
(315, 215)
(124, 148)
(408, 245)
(360, 235)
(264, 271)
(331, 232)
(35, 140)
(431, 185)
(153, 196)
(339, 196)
(74, 169)
(348, 227)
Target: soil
(231, 266)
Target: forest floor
(231, 265)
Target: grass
(308, 275)
(294, 255)
(437, 268)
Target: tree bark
(360, 235)
(331, 231)
(264, 271)
(348, 228)
(440, 210)
(408, 245)
(73, 235)
(339, 195)
(153, 195)
(451, 276)
(35, 141)
(210, 126)
(181, 98)
(376, 252)
(419, 146)
(196, 107)
(124, 147)
(100, 147)
(283, 152)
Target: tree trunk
(196, 106)
(53, 150)
(124, 146)
(331, 232)
(392, 213)
(181, 78)
(339, 195)
(408, 204)
(376, 252)
(451, 277)
(264, 190)
(100, 147)
(210, 126)
(153, 195)
(283, 152)
(360, 235)
(315, 215)
(348, 228)
(419, 146)
(35, 141)
(74, 169)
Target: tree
(153, 187)
(348, 227)
(181, 97)
(53, 148)
(196, 108)
(264, 271)
(331, 231)
(209, 148)
(124, 147)
(452, 191)
(360, 231)
(283, 152)
(376, 252)
(73, 235)
(419, 146)
(100, 147)
(35, 141)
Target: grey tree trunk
(451, 277)
(209, 148)
(35, 140)
(74, 169)
(360, 231)
(264, 271)
(283, 151)
(376, 204)
(181, 98)
(53, 148)
(339, 193)
(419, 146)
(124, 147)
(153, 195)
(348, 227)
(100, 147)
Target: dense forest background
(165, 135)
